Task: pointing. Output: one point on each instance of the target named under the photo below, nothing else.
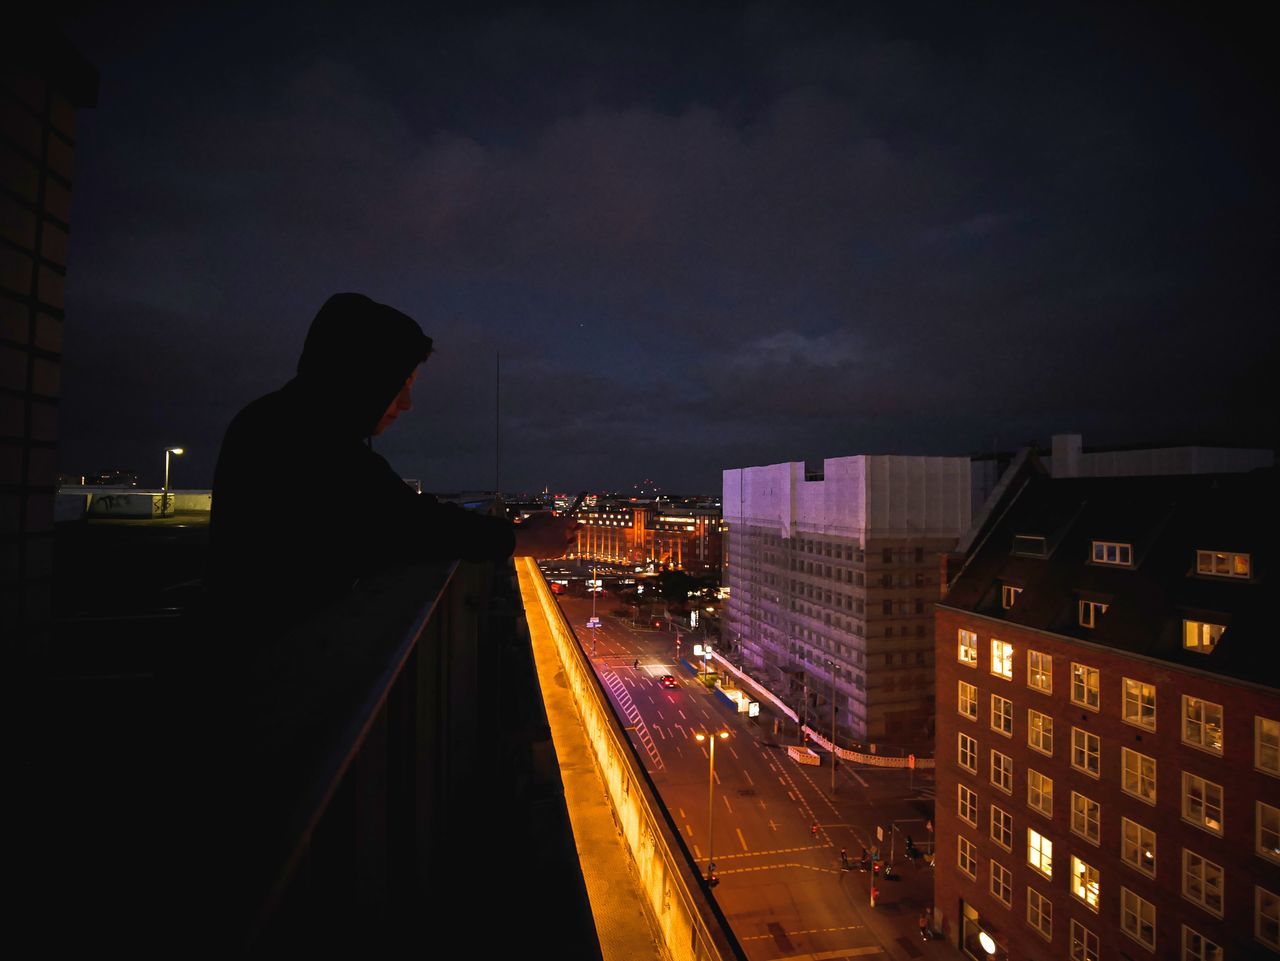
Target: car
(669, 681)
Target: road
(777, 828)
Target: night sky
(701, 238)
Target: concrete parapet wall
(690, 925)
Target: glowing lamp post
(167, 451)
(712, 880)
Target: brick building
(1108, 737)
(678, 538)
(43, 81)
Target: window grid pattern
(1040, 793)
(967, 701)
(1084, 943)
(1002, 715)
(1138, 846)
(1086, 752)
(1002, 771)
(1140, 703)
(965, 859)
(1196, 947)
(1040, 912)
(1002, 827)
(1001, 883)
(1002, 659)
(1040, 731)
(1202, 802)
(1084, 817)
(1202, 724)
(1084, 686)
(1266, 744)
(1202, 882)
(1138, 918)
(1138, 775)
(1040, 671)
(967, 805)
(1040, 852)
(968, 648)
(1266, 917)
(1084, 883)
(967, 753)
(1267, 833)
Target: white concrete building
(833, 578)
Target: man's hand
(544, 536)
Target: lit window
(1084, 882)
(1266, 744)
(1084, 943)
(967, 805)
(1002, 827)
(1084, 817)
(1001, 883)
(1140, 703)
(1040, 671)
(1084, 686)
(968, 648)
(1107, 552)
(1266, 917)
(1040, 852)
(1002, 771)
(1201, 636)
(1086, 750)
(1138, 846)
(1222, 563)
(1090, 611)
(1040, 731)
(1202, 803)
(968, 753)
(1139, 775)
(1040, 792)
(1001, 714)
(1268, 831)
(1202, 882)
(967, 702)
(1138, 918)
(1202, 724)
(1196, 947)
(1002, 659)
(1008, 595)
(1039, 912)
(966, 860)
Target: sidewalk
(895, 920)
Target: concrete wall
(74, 503)
(676, 903)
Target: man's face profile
(403, 401)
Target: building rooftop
(1153, 581)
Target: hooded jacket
(302, 507)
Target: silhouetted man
(303, 507)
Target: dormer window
(1222, 564)
(1112, 552)
(1090, 611)
(1201, 636)
(1008, 595)
(1030, 545)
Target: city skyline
(699, 238)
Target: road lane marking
(732, 751)
(681, 713)
(682, 814)
(858, 779)
(658, 729)
(823, 955)
(742, 839)
(697, 855)
(773, 852)
(771, 867)
(688, 830)
(748, 777)
(725, 798)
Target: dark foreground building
(1109, 725)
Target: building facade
(832, 579)
(675, 538)
(1108, 743)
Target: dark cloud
(699, 238)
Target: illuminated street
(781, 885)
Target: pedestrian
(924, 924)
(635, 665)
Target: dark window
(888, 607)
(919, 555)
(887, 555)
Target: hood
(356, 358)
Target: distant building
(838, 571)
(1108, 732)
(676, 538)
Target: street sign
(753, 709)
(593, 622)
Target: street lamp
(167, 451)
(711, 811)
